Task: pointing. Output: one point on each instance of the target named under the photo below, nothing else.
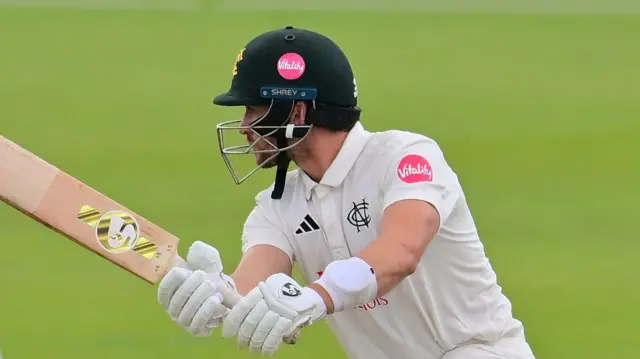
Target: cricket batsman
(377, 222)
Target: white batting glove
(191, 296)
(272, 311)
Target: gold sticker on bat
(117, 231)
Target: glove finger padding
(205, 290)
(170, 284)
(262, 331)
(250, 323)
(208, 317)
(236, 316)
(184, 292)
(274, 338)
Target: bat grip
(229, 296)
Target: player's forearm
(372, 273)
(391, 263)
(257, 264)
(246, 281)
(406, 231)
(385, 262)
(388, 273)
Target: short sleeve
(419, 171)
(261, 227)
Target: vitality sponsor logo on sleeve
(414, 168)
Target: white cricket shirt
(452, 299)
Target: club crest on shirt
(359, 216)
(414, 168)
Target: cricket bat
(66, 205)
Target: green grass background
(537, 113)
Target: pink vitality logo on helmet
(291, 66)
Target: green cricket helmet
(276, 69)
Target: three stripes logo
(307, 225)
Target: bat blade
(66, 205)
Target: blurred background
(535, 104)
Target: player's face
(251, 115)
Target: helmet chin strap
(283, 159)
(282, 109)
(282, 162)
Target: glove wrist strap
(350, 283)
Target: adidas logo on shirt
(308, 225)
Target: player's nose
(244, 126)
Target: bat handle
(229, 296)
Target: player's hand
(191, 295)
(275, 309)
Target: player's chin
(269, 164)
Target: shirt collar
(344, 161)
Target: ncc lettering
(378, 302)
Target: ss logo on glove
(290, 290)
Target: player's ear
(299, 113)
